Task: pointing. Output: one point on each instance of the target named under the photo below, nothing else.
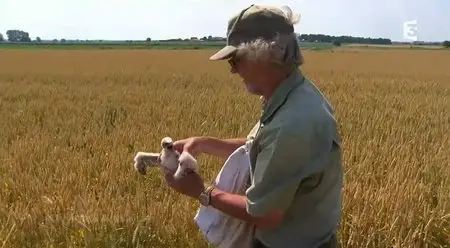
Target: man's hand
(190, 184)
(191, 145)
(234, 205)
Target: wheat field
(71, 122)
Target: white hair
(282, 50)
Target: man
(296, 174)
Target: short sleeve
(287, 155)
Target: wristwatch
(205, 196)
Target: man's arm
(220, 147)
(235, 205)
(284, 159)
(224, 147)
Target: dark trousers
(332, 243)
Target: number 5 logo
(410, 30)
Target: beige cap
(253, 22)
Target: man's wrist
(200, 144)
(205, 196)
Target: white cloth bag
(221, 229)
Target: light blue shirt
(296, 166)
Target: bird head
(167, 143)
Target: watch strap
(206, 194)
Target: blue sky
(139, 19)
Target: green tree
(18, 36)
(336, 43)
(1, 37)
(446, 44)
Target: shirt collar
(294, 79)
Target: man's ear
(149, 158)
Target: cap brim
(224, 53)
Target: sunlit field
(71, 122)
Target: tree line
(15, 35)
(343, 39)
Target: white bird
(167, 158)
